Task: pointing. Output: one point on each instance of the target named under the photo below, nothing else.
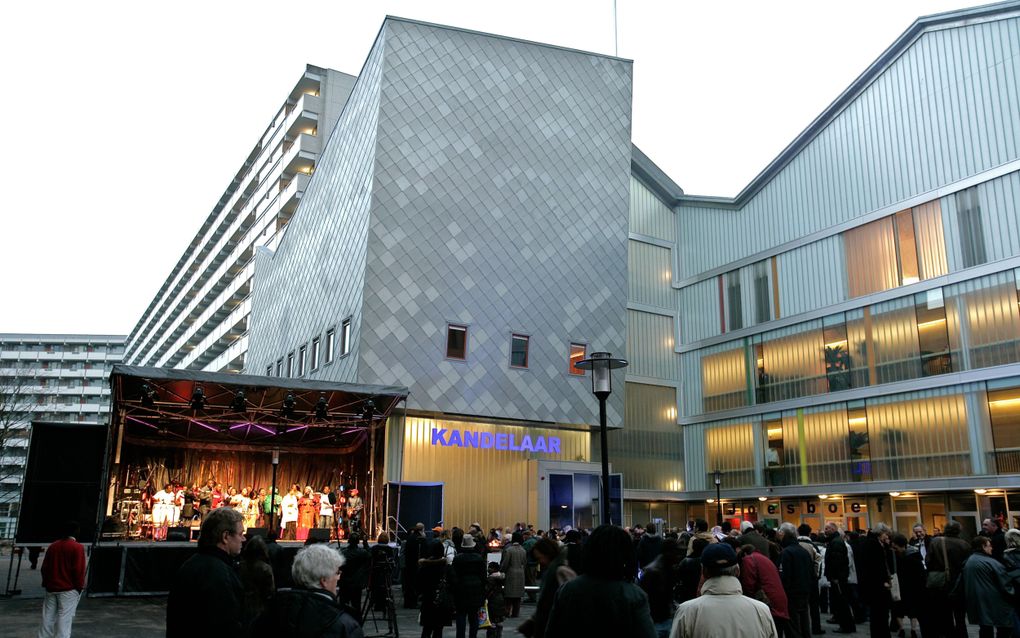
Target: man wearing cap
(722, 611)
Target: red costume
(308, 511)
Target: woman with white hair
(310, 609)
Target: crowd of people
(612, 581)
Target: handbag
(895, 588)
(483, 616)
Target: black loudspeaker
(257, 531)
(179, 534)
(318, 535)
(65, 467)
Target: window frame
(330, 345)
(290, 365)
(345, 337)
(453, 327)
(527, 350)
(570, 359)
(313, 361)
(302, 359)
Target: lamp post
(272, 495)
(718, 501)
(602, 365)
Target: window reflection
(932, 334)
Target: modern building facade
(199, 318)
(841, 341)
(849, 329)
(47, 377)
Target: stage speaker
(179, 534)
(257, 531)
(318, 535)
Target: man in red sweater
(63, 576)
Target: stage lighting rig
(321, 408)
(288, 406)
(368, 410)
(148, 396)
(239, 404)
(198, 399)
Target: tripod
(380, 593)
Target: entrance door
(574, 499)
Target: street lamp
(718, 501)
(602, 365)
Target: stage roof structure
(208, 409)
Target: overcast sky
(123, 122)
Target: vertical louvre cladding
(931, 243)
(871, 257)
(998, 206)
(317, 275)
(812, 276)
(650, 346)
(726, 449)
(789, 362)
(984, 321)
(500, 168)
(699, 311)
(649, 215)
(918, 126)
(651, 277)
(649, 451)
(722, 381)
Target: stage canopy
(209, 409)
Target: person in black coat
(469, 579)
(912, 578)
(873, 559)
(837, 572)
(649, 546)
(659, 581)
(797, 571)
(413, 550)
(688, 572)
(991, 529)
(207, 584)
(433, 578)
(356, 570)
(310, 610)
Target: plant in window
(837, 368)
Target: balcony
(290, 195)
(300, 154)
(303, 117)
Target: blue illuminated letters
(502, 441)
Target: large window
(456, 342)
(972, 232)
(519, 351)
(789, 362)
(898, 250)
(724, 377)
(1004, 410)
(985, 321)
(932, 333)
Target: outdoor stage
(184, 428)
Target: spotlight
(163, 429)
(338, 437)
(198, 399)
(368, 410)
(288, 406)
(238, 404)
(280, 429)
(321, 407)
(148, 396)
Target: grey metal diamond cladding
(500, 199)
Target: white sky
(123, 122)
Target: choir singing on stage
(293, 514)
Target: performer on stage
(178, 504)
(326, 508)
(289, 515)
(339, 511)
(354, 509)
(162, 512)
(307, 513)
(205, 497)
(217, 496)
(190, 509)
(249, 508)
(236, 500)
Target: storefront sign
(488, 440)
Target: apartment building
(47, 377)
(199, 317)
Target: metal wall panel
(650, 271)
(699, 311)
(481, 484)
(812, 276)
(650, 344)
(1000, 207)
(649, 215)
(316, 278)
(930, 237)
(946, 109)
